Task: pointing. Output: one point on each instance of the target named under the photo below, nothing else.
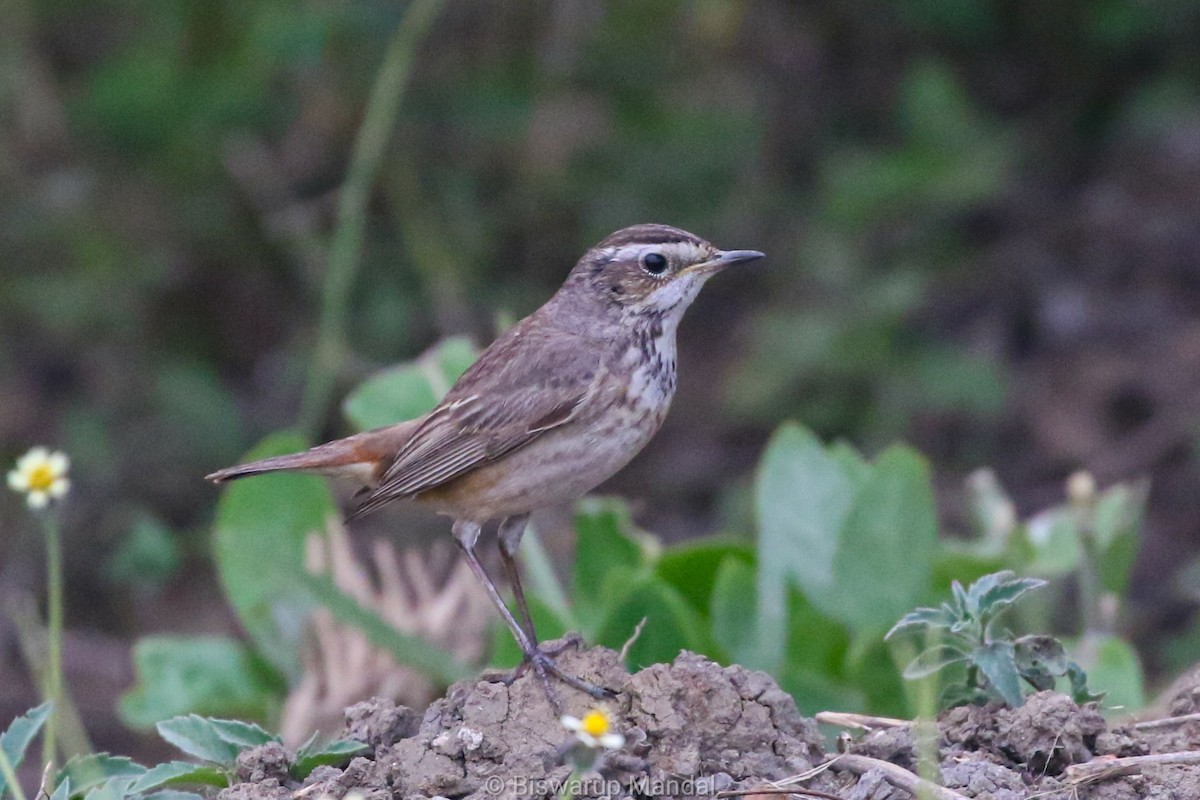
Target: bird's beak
(725, 258)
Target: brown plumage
(555, 406)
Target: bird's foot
(542, 661)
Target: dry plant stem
(1166, 722)
(345, 252)
(633, 637)
(864, 722)
(896, 776)
(21, 609)
(1103, 769)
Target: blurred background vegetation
(981, 219)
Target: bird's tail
(363, 456)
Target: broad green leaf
(408, 650)
(1114, 668)
(871, 666)
(604, 545)
(87, 772)
(338, 751)
(671, 624)
(262, 525)
(15, 740)
(887, 545)
(802, 498)
(410, 390)
(217, 741)
(933, 660)
(998, 662)
(174, 773)
(692, 568)
(816, 642)
(816, 691)
(62, 791)
(964, 561)
(734, 600)
(206, 675)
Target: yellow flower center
(41, 478)
(594, 724)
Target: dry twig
(1101, 769)
(896, 776)
(1166, 722)
(864, 722)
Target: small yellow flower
(41, 475)
(594, 730)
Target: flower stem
(346, 249)
(54, 631)
(10, 776)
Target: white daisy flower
(42, 476)
(594, 730)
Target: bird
(555, 406)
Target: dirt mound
(694, 728)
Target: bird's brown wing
(528, 382)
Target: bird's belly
(558, 467)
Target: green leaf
(998, 662)
(1053, 537)
(671, 624)
(802, 498)
(116, 788)
(174, 773)
(603, 546)
(692, 568)
(62, 791)
(207, 675)
(1041, 652)
(1001, 595)
(148, 555)
(173, 794)
(413, 651)
(263, 521)
(734, 600)
(15, 740)
(410, 390)
(215, 740)
(1113, 668)
(891, 524)
(88, 772)
(339, 751)
(933, 660)
(922, 619)
(815, 691)
(1116, 528)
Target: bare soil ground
(696, 729)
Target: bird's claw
(542, 662)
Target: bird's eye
(654, 263)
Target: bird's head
(651, 269)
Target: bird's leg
(509, 536)
(467, 534)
